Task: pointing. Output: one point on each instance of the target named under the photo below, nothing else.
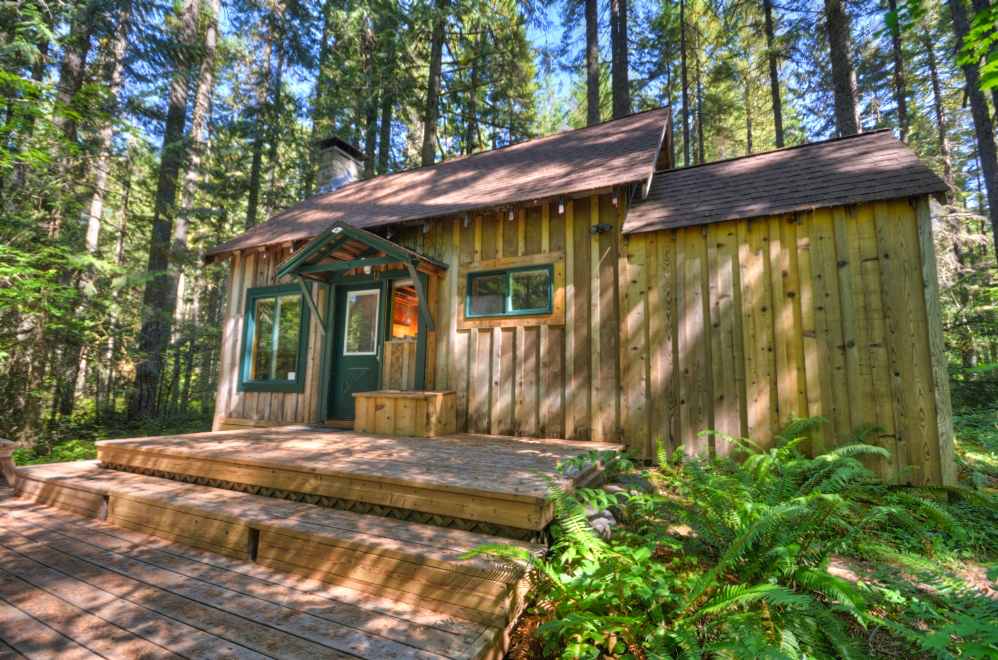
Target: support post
(7, 460)
(424, 307)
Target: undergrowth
(735, 559)
(73, 440)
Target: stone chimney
(337, 156)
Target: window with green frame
(275, 337)
(510, 292)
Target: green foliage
(733, 559)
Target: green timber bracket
(308, 263)
(311, 303)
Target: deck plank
(301, 634)
(396, 629)
(87, 630)
(460, 463)
(170, 596)
(34, 639)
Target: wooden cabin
(578, 286)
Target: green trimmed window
(511, 292)
(274, 340)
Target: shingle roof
(850, 170)
(612, 153)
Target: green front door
(356, 351)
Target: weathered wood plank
(937, 345)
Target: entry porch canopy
(342, 248)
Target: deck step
(78, 588)
(403, 561)
(487, 484)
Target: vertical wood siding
(740, 325)
(734, 327)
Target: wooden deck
(489, 480)
(75, 588)
(341, 512)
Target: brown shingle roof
(849, 170)
(615, 152)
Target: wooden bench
(412, 414)
(403, 561)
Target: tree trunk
(983, 128)
(274, 134)
(774, 72)
(900, 95)
(259, 131)
(471, 136)
(684, 82)
(157, 298)
(937, 106)
(592, 63)
(432, 111)
(107, 130)
(74, 62)
(703, 152)
(843, 73)
(385, 139)
(199, 129)
(370, 102)
(619, 64)
(748, 118)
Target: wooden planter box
(414, 414)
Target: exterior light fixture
(467, 218)
(266, 254)
(426, 226)
(337, 230)
(614, 197)
(561, 204)
(511, 214)
(367, 270)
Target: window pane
(531, 289)
(361, 323)
(263, 337)
(488, 294)
(289, 321)
(405, 305)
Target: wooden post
(7, 460)
(937, 345)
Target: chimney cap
(344, 146)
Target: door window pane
(263, 339)
(361, 323)
(488, 294)
(530, 290)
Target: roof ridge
(534, 140)
(841, 138)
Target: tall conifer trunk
(684, 82)
(619, 64)
(432, 110)
(592, 63)
(843, 72)
(774, 71)
(900, 94)
(158, 312)
(940, 113)
(370, 102)
(471, 134)
(983, 129)
(259, 133)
